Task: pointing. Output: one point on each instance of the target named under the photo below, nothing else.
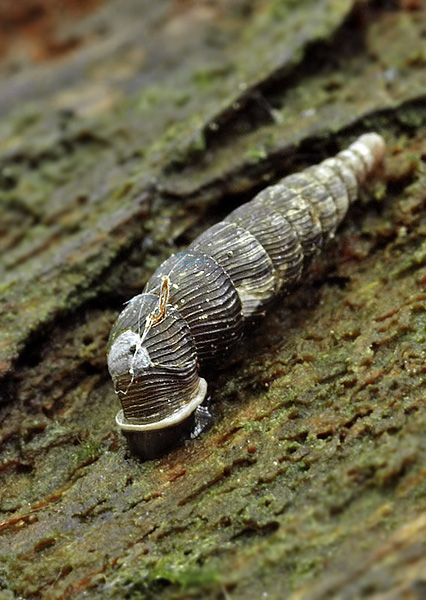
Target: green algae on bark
(311, 482)
(300, 464)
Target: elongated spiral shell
(193, 309)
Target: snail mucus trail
(193, 309)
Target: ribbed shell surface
(356, 162)
(335, 188)
(144, 367)
(318, 196)
(276, 236)
(207, 299)
(298, 212)
(245, 260)
(197, 300)
(343, 172)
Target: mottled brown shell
(193, 308)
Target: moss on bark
(311, 482)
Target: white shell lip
(174, 419)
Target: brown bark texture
(126, 129)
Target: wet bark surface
(124, 133)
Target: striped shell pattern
(192, 310)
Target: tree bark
(126, 130)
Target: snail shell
(193, 308)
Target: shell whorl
(194, 306)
